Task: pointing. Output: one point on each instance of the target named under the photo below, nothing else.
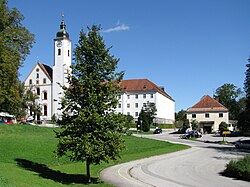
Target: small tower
(61, 68)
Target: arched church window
(45, 110)
(59, 51)
(38, 91)
(45, 95)
(37, 75)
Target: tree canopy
(15, 44)
(146, 116)
(244, 120)
(91, 131)
(231, 97)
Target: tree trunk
(88, 170)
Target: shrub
(166, 126)
(239, 169)
(223, 126)
(194, 125)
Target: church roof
(142, 85)
(208, 104)
(47, 70)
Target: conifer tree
(91, 131)
(244, 119)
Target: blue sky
(191, 47)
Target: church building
(46, 82)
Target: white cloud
(121, 27)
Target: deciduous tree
(230, 96)
(146, 116)
(91, 131)
(15, 44)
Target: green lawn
(27, 158)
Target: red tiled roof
(207, 104)
(47, 70)
(142, 85)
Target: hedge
(166, 126)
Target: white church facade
(135, 93)
(47, 81)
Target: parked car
(245, 144)
(9, 122)
(190, 134)
(157, 131)
(2, 122)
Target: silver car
(245, 144)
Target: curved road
(199, 166)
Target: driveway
(199, 166)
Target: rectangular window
(128, 113)
(207, 115)
(44, 81)
(136, 105)
(144, 96)
(220, 115)
(68, 52)
(136, 113)
(144, 104)
(151, 96)
(37, 81)
(128, 96)
(136, 96)
(128, 105)
(37, 75)
(119, 105)
(193, 115)
(119, 96)
(30, 81)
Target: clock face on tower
(59, 44)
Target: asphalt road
(199, 166)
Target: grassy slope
(27, 158)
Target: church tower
(61, 68)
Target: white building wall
(165, 108)
(44, 87)
(130, 104)
(213, 116)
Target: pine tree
(15, 44)
(91, 131)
